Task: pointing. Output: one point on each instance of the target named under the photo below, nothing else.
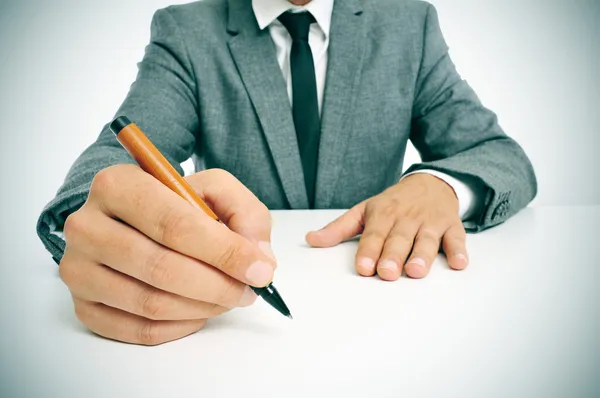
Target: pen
(154, 163)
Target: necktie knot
(297, 24)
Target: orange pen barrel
(133, 139)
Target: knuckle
(392, 205)
(74, 226)
(220, 174)
(174, 227)
(426, 246)
(429, 235)
(401, 239)
(151, 304)
(156, 270)
(372, 207)
(410, 224)
(226, 257)
(458, 231)
(225, 293)
(386, 208)
(67, 272)
(104, 181)
(230, 256)
(218, 310)
(214, 176)
(446, 220)
(456, 237)
(373, 234)
(148, 334)
(211, 312)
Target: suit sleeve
(455, 134)
(162, 101)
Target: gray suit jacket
(210, 86)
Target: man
(306, 104)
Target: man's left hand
(403, 227)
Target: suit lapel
(254, 54)
(345, 60)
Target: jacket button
(501, 210)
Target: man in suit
(284, 105)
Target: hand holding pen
(145, 267)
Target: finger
(455, 247)
(370, 246)
(150, 207)
(426, 247)
(396, 249)
(118, 325)
(101, 284)
(129, 252)
(343, 228)
(235, 205)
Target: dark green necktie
(305, 106)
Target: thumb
(343, 228)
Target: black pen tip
(272, 296)
(290, 316)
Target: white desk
(522, 321)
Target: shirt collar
(267, 11)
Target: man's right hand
(145, 267)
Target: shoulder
(384, 12)
(196, 15)
(396, 19)
(390, 8)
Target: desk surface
(522, 321)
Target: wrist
(433, 185)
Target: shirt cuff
(467, 196)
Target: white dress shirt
(267, 12)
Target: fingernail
(259, 274)
(266, 248)
(315, 232)
(366, 264)
(388, 265)
(460, 256)
(418, 261)
(388, 269)
(248, 298)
